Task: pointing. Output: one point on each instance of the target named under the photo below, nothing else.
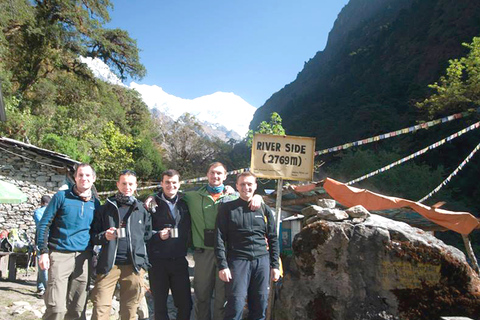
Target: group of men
(233, 236)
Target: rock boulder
(377, 269)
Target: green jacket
(203, 211)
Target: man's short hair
(45, 200)
(127, 172)
(246, 174)
(170, 173)
(217, 164)
(81, 165)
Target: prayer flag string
(392, 134)
(193, 180)
(416, 154)
(454, 173)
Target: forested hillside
(379, 61)
(54, 101)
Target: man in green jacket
(203, 206)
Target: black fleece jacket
(241, 233)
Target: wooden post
(278, 205)
(12, 267)
(278, 215)
(471, 254)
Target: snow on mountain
(220, 109)
(101, 70)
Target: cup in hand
(121, 233)
(174, 232)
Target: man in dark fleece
(246, 248)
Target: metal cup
(174, 232)
(121, 233)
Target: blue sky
(193, 48)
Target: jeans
(42, 277)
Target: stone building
(36, 172)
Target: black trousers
(250, 281)
(170, 274)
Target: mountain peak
(219, 109)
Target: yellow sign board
(286, 157)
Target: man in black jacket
(168, 247)
(121, 226)
(246, 248)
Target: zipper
(251, 216)
(130, 241)
(116, 239)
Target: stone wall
(34, 179)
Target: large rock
(378, 269)
(325, 213)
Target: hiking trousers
(131, 284)
(170, 274)
(205, 283)
(67, 285)
(250, 281)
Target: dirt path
(19, 300)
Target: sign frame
(279, 154)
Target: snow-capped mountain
(217, 110)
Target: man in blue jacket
(64, 246)
(168, 247)
(122, 227)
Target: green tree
(274, 126)
(54, 33)
(112, 151)
(459, 89)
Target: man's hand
(148, 204)
(256, 202)
(275, 275)
(44, 261)
(111, 233)
(229, 190)
(164, 233)
(225, 275)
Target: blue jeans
(42, 277)
(250, 281)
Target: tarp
(461, 222)
(9, 193)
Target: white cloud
(224, 108)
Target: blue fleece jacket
(65, 225)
